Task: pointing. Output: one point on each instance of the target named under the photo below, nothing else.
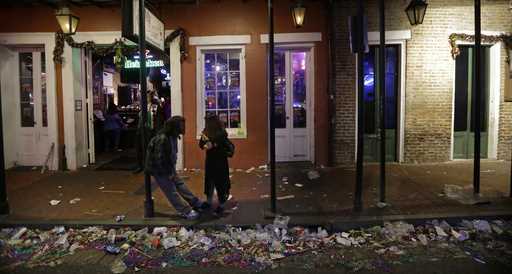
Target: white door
(29, 90)
(292, 104)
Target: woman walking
(214, 140)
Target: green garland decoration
(119, 47)
(179, 32)
(488, 39)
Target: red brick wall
(429, 75)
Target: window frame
(233, 133)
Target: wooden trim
(60, 116)
(298, 37)
(219, 40)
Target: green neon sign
(129, 64)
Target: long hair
(173, 125)
(214, 126)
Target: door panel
(33, 126)
(372, 103)
(291, 105)
(465, 89)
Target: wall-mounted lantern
(68, 22)
(298, 14)
(416, 11)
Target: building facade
(428, 104)
(428, 92)
(215, 29)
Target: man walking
(161, 158)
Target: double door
(292, 104)
(464, 101)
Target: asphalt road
(447, 265)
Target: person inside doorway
(214, 140)
(161, 156)
(112, 127)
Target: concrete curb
(333, 225)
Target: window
(221, 87)
(26, 89)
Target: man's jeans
(176, 191)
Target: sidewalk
(413, 192)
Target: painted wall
(214, 18)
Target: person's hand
(208, 145)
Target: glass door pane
(299, 89)
(26, 89)
(280, 89)
(371, 97)
(43, 91)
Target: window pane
(210, 112)
(26, 90)
(391, 86)
(234, 61)
(222, 62)
(43, 90)
(209, 62)
(223, 100)
(211, 100)
(299, 89)
(223, 116)
(369, 92)
(234, 99)
(222, 80)
(234, 80)
(209, 81)
(280, 89)
(234, 119)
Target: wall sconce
(67, 21)
(416, 11)
(298, 14)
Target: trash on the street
(250, 170)
(298, 185)
(54, 202)
(313, 175)
(382, 205)
(286, 197)
(74, 201)
(119, 218)
(261, 247)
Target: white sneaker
(192, 215)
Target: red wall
(214, 18)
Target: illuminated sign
(149, 63)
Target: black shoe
(204, 206)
